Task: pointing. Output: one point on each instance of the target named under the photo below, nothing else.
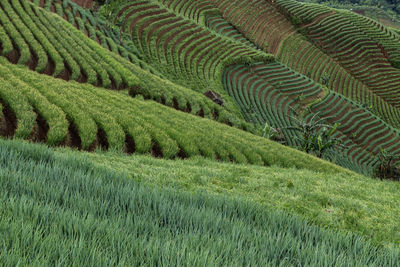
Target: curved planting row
(363, 57)
(84, 3)
(259, 21)
(191, 9)
(306, 58)
(187, 53)
(366, 133)
(40, 40)
(389, 40)
(300, 12)
(306, 13)
(267, 92)
(58, 112)
(44, 39)
(96, 30)
(217, 23)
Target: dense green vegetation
(167, 112)
(61, 209)
(176, 38)
(343, 201)
(119, 122)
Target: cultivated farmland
(197, 132)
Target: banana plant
(315, 135)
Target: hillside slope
(61, 208)
(156, 120)
(176, 40)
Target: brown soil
(156, 150)
(182, 154)
(8, 122)
(193, 35)
(50, 67)
(13, 56)
(65, 74)
(200, 8)
(217, 53)
(156, 27)
(83, 78)
(84, 3)
(151, 21)
(204, 48)
(176, 104)
(125, 8)
(167, 31)
(175, 34)
(200, 113)
(136, 19)
(98, 40)
(73, 138)
(100, 142)
(65, 16)
(40, 129)
(130, 146)
(359, 11)
(318, 19)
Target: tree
(315, 136)
(386, 168)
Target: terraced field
(181, 48)
(181, 96)
(173, 40)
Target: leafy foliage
(315, 136)
(386, 167)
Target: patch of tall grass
(60, 209)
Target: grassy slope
(342, 201)
(50, 214)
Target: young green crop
(6, 44)
(53, 115)
(56, 39)
(31, 21)
(152, 127)
(16, 37)
(40, 54)
(20, 106)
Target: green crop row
(151, 127)
(182, 49)
(376, 31)
(369, 135)
(221, 26)
(193, 10)
(305, 58)
(258, 21)
(255, 81)
(337, 31)
(165, 96)
(16, 37)
(39, 53)
(360, 126)
(150, 86)
(305, 12)
(86, 21)
(31, 22)
(357, 53)
(6, 45)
